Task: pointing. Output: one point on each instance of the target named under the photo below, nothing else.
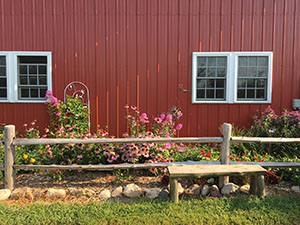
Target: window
(232, 77)
(24, 76)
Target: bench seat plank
(197, 171)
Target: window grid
(32, 80)
(3, 78)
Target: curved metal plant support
(79, 90)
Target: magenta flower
(169, 117)
(179, 126)
(162, 116)
(79, 156)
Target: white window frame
(12, 75)
(232, 77)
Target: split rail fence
(10, 142)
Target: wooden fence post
(225, 151)
(9, 171)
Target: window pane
(242, 72)
(23, 69)
(260, 93)
(241, 93)
(221, 72)
(43, 92)
(243, 61)
(2, 71)
(251, 83)
(220, 94)
(42, 69)
(23, 80)
(42, 80)
(24, 92)
(3, 93)
(32, 59)
(201, 83)
(211, 72)
(250, 93)
(2, 82)
(252, 61)
(2, 60)
(242, 83)
(201, 72)
(201, 61)
(252, 71)
(33, 69)
(262, 61)
(212, 61)
(210, 94)
(260, 83)
(262, 71)
(210, 84)
(34, 93)
(220, 84)
(200, 93)
(221, 61)
(32, 80)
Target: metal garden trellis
(79, 90)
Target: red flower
(260, 160)
(231, 157)
(243, 160)
(202, 152)
(255, 158)
(243, 156)
(55, 171)
(237, 159)
(264, 156)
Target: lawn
(240, 210)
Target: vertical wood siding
(139, 52)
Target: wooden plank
(52, 141)
(216, 170)
(264, 140)
(9, 171)
(225, 151)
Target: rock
(164, 195)
(205, 190)
(194, 189)
(229, 188)
(132, 191)
(214, 191)
(104, 195)
(4, 194)
(245, 188)
(152, 193)
(21, 193)
(295, 189)
(56, 193)
(179, 187)
(117, 192)
(28, 195)
(89, 193)
(76, 192)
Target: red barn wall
(138, 52)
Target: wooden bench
(257, 185)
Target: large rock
(164, 195)
(19, 193)
(132, 191)
(179, 188)
(4, 194)
(205, 190)
(89, 193)
(104, 195)
(76, 192)
(229, 188)
(117, 192)
(195, 189)
(152, 193)
(295, 189)
(214, 191)
(56, 193)
(245, 188)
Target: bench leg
(253, 185)
(174, 190)
(261, 186)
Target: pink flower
(126, 107)
(162, 116)
(79, 156)
(169, 117)
(58, 114)
(179, 126)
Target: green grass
(240, 210)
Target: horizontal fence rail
(52, 141)
(10, 142)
